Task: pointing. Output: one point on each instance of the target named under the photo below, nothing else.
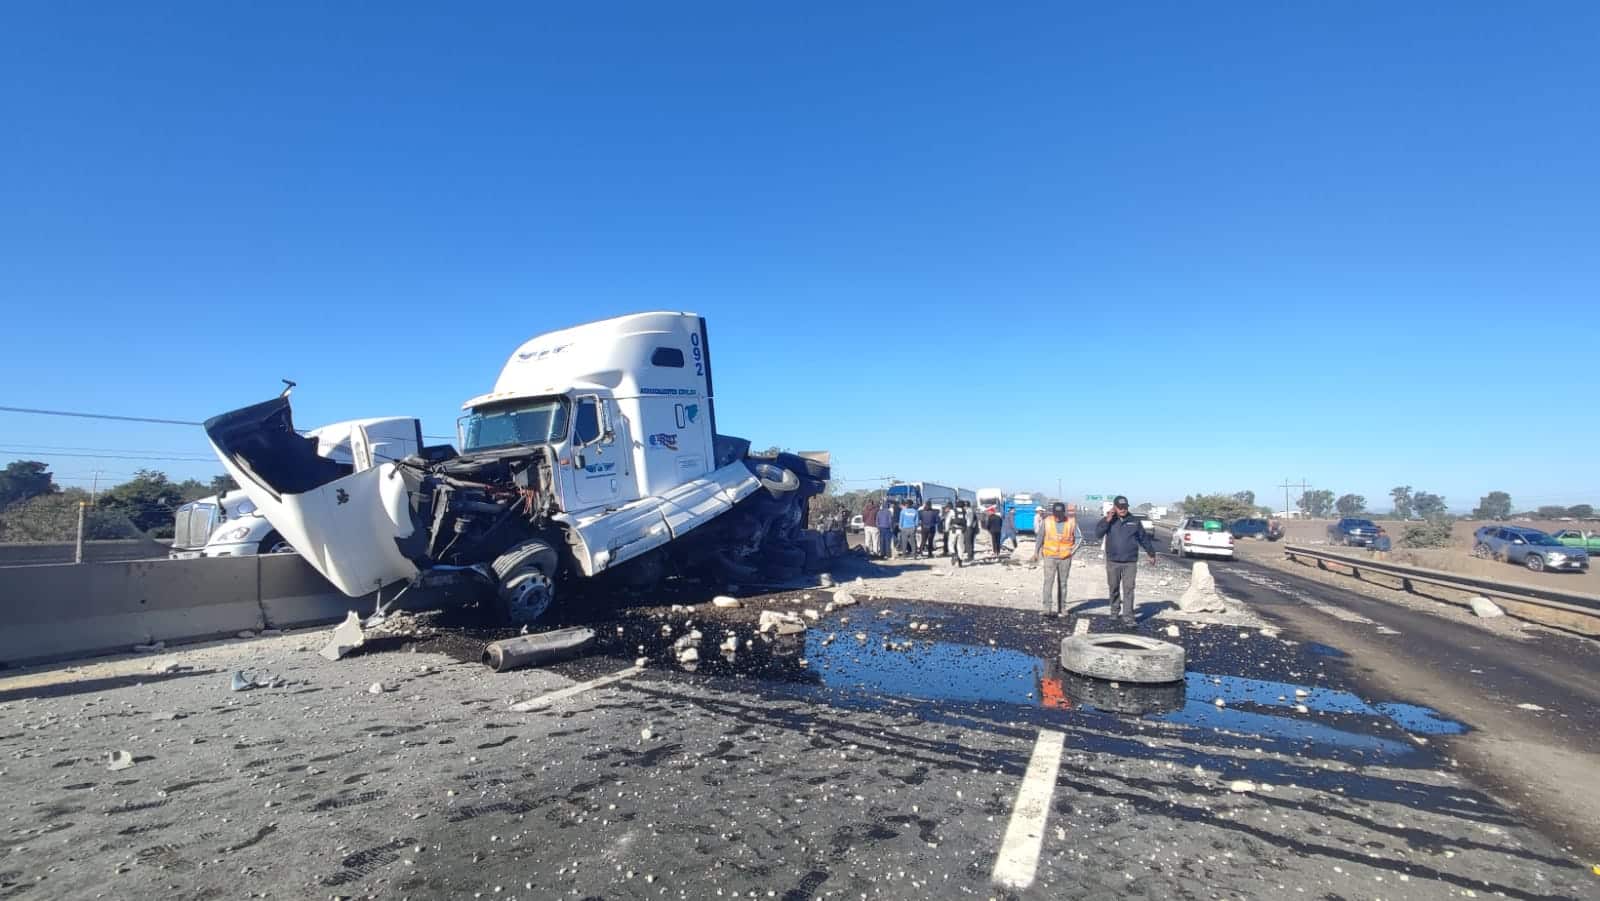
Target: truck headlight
(235, 533)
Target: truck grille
(193, 526)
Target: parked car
(856, 524)
(1589, 541)
(1529, 547)
(1353, 532)
(1257, 529)
(1202, 537)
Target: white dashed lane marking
(1019, 851)
(579, 688)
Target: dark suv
(1250, 528)
(1353, 532)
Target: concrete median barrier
(60, 611)
(66, 610)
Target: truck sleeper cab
(597, 446)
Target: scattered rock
(1529, 707)
(825, 580)
(243, 681)
(346, 637)
(811, 614)
(861, 636)
(726, 602)
(1301, 693)
(782, 623)
(641, 661)
(1486, 608)
(843, 599)
(689, 655)
(1172, 631)
(1301, 708)
(1241, 786)
(1201, 596)
(118, 760)
(646, 734)
(1220, 702)
(150, 648)
(169, 665)
(378, 688)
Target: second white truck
(597, 447)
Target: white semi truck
(597, 447)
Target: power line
(98, 416)
(7, 450)
(148, 419)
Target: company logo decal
(668, 440)
(539, 354)
(600, 467)
(692, 411)
(670, 392)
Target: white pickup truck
(597, 447)
(1201, 537)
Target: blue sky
(1153, 250)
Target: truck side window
(667, 356)
(586, 428)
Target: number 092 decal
(698, 354)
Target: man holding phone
(1123, 535)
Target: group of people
(917, 528)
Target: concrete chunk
(346, 637)
(726, 602)
(1201, 596)
(1486, 608)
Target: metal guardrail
(1570, 601)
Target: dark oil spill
(989, 656)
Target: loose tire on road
(1123, 658)
(525, 577)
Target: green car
(1589, 541)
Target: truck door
(599, 465)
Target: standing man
(1123, 535)
(885, 529)
(956, 531)
(991, 521)
(1056, 541)
(1008, 528)
(972, 527)
(869, 528)
(906, 543)
(930, 527)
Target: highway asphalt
(869, 757)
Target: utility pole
(1303, 485)
(94, 487)
(77, 556)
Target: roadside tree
(1218, 506)
(1494, 505)
(1316, 504)
(22, 479)
(1428, 506)
(1402, 501)
(1351, 505)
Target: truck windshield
(507, 425)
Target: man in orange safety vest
(1056, 540)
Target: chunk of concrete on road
(843, 599)
(118, 760)
(1241, 786)
(726, 602)
(346, 637)
(1486, 608)
(689, 655)
(1173, 631)
(1201, 596)
(782, 623)
(811, 614)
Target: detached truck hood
(333, 494)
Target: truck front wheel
(526, 581)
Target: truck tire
(777, 480)
(1123, 658)
(803, 466)
(274, 544)
(525, 577)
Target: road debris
(1485, 608)
(1241, 786)
(1526, 706)
(782, 623)
(843, 599)
(726, 602)
(346, 637)
(1201, 596)
(538, 649)
(378, 688)
(150, 648)
(244, 680)
(118, 760)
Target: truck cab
(596, 446)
